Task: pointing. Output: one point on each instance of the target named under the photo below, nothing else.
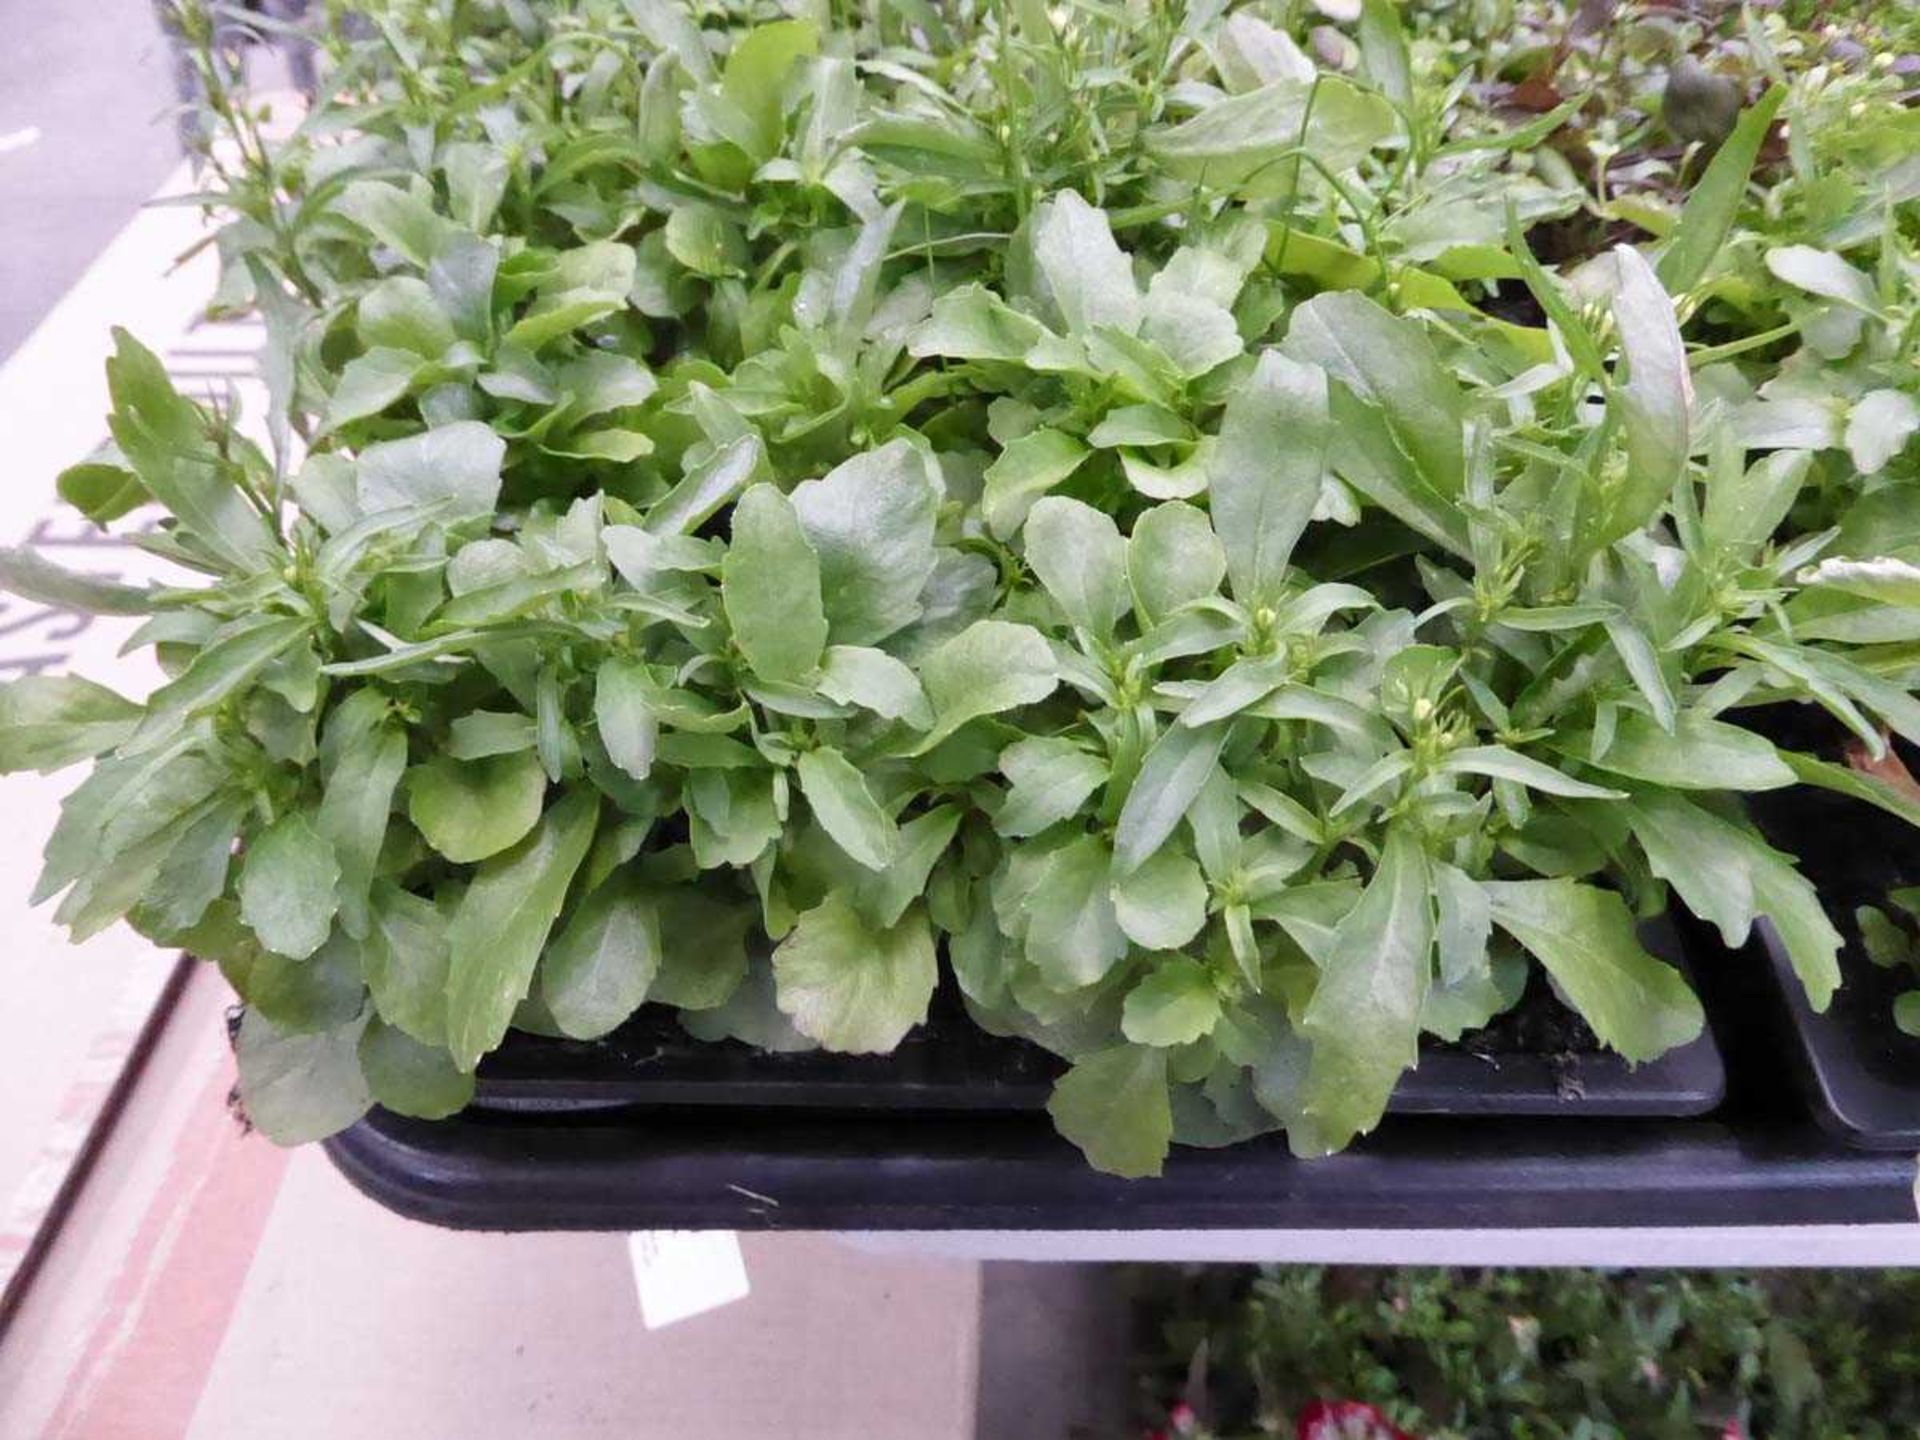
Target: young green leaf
(48, 722)
(1699, 754)
(1714, 203)
(624, 716)
(32, 576)
(364, 751)
(502, 925)
(1266, 472)
(1114, 1105)
(471, 809)
(1079, 556)
(1500, 763)
(169, 444)
(870, 520)
(410, 1078)
(1364, 1018)
(1238, 143)
(770, 586)
(1638, 1005)
(1051, 779)
(1173, 559)
(845, 807)
(1089, 278)
(1655, 400)
(1025, 470)
(1729, 877)
(874, 680)
(1388, 362)
(1073, 929)
(1170, 778)
(456, 466)
(600, 966)
(287, 894)
(298, 1088)
(988, 668)
(404, 961)
(852, 987)
(1163, 904)
(1175, 1005)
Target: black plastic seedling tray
(1860, 1074)
(681, 1168)
(651, 1129)
(950, 1064)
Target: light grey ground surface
(95, 79)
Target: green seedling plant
(762, 512)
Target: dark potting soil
(1539, 1025)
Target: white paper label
(681, 1273)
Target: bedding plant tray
(812, 583)
(1858, 1061)
(1538, 1058)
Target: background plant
(1537, 1353)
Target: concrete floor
(94, 79)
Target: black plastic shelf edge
(954, 1173)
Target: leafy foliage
(1459, 1355)
(752, 506)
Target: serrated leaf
(1638, 1005)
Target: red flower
(1346, 1420)
(1733, 1431)
(1182, 1418)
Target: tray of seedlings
(871, 623)
(1858, 1061)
